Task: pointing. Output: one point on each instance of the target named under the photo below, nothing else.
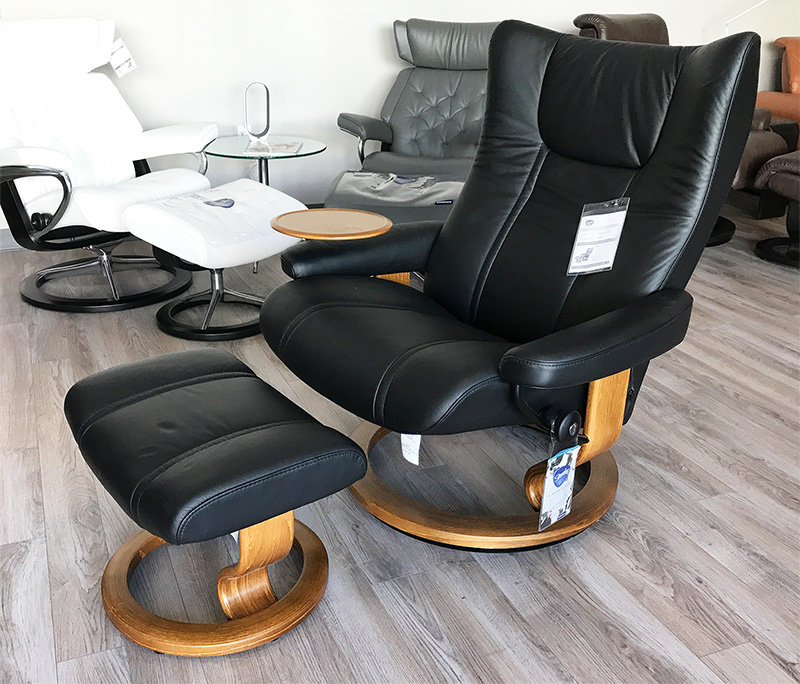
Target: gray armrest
(602, 346)
(404, 248)
(365, 127)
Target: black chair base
(723, 231)
(779, 250)
(32, 293)
(168, 323)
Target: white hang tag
(121, 59)
(558, 483)
(599, 232)
(410, 445)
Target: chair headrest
(47, 47)
(444, 44)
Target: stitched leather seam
(527, 191)
(716, 163)
(301, 317)
(253, 483)
(597, 355)
(147, 480)
(393, 369)
(464, 395)
(497, 245)
(160, 389)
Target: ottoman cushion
(402, 199)
(218, 228)
(194, 445)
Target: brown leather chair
(762, 145)
(786, 103)
(632, 28)
(781, 175)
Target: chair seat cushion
(218, 228)
(102, 207)
(389, 354)
(194, 445)
(457, 168)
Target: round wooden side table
(336, 224)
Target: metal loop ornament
(251, 107)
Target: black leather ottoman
(193, 446)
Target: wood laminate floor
(691, 577)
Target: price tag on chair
(599, 232)
(558, 484)
(410, 445)
(121, 59)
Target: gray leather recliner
(430, 123)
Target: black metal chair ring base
(780, 250)
(722, 232)
(31, 288)
(168, 323)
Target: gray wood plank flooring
(691, 577)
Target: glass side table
(274, 147)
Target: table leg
(263, 177)
(263, 171)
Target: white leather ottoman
(212, 230)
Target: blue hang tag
(224, 203)
(558, 484)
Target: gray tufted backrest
(435, 108)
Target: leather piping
(466, 393)
(716, 162)
(549, 365)
(160, 389)
(301, 317)
(252, 483)
(138, 491)
(519, 204)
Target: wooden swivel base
(482, 532)
(256, 616)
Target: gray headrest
(444, 44)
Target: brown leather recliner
(782, 176)
(786, 104)
(632, 28)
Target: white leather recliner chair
(73, 157)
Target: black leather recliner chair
(501, 335)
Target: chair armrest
(33, 162)
(404, 248)
(602, 346)
(36, 157)
(179, 139)
(365, 127)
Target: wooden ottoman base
(257, 617)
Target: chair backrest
(632, 28)
(435, 108)
(49, 98)
(571, 121)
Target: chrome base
(211, 298)
(31, 288)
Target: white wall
(770, 20)
(318, 57)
